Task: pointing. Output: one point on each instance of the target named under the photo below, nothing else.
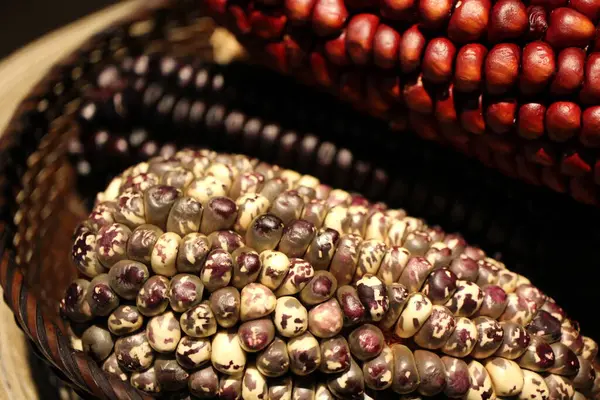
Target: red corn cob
(515, 84)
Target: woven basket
(40, 202)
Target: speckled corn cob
(226, 277)
(514, 84)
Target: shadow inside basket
(64, 148)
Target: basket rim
(81, 372)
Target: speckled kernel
(153, 298)
(466, 300)
(202, 189)
(164, 254)
(163, 332)
(538, 356)
(111, 367)
(417, 243)
(376, 226)
(320, 288)
(507, 280)
(227, 355)
(281, 388)
(111, 246)
(97, 342)
(322, 248)
(249, 206)
(185, 216)
(463, 339)
(84, 252)
(185, 292)
(440, 286)
(379, 372)
(298, 276)
(142, 241)
(192, 352)
(305, 354)
(217, 270)
(323, 392)
(534, 387)
(257, 301)
(335, 354)
(530, 292)
(220, 213)
(296, 238)
(560, 388)
(481, 384)
(494, 302)
(125, 320)
(571, 338)
(287, 206)
(396, 233)
(343, 263)
(204, 383)
(274, 360)
(416, 272)
(264, 233)
(246, 267)
(130, 208)
(199, 321)
(418, 308)
(304, 388)
(584, 380)
(357, 217)
(74, 305)
(225, 305)
(257, 334)
(102, 214)
(506, 375)
(465, 268)
(490, 336)
(275, 266)
(565, 360)
(179, 178)
(193, 249)
(227, 240)
(169, 374)
(554, 309)
(393, 265)
(146, 381)
(458, 381)
(373, 295)
(326, 320)
(224, 172)
(338, 219)
(352, 308)
(590, 348)
(544, 325)
(100, 297)
(314, 212)
(247, 183)
(437, 329)
(515, 342)
(519, 310)
(370, 257)
(366, 342)
(272, 188)
(397, 296)
(134, 352)
(406, 377)
(431, 371)
(291, 318)
(139, 181)
(126, 278)
(348, 385)
(254, 385)
(158, 201)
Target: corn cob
(226, 256)
(523, 226)
(513, 84)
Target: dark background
(22, 21)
